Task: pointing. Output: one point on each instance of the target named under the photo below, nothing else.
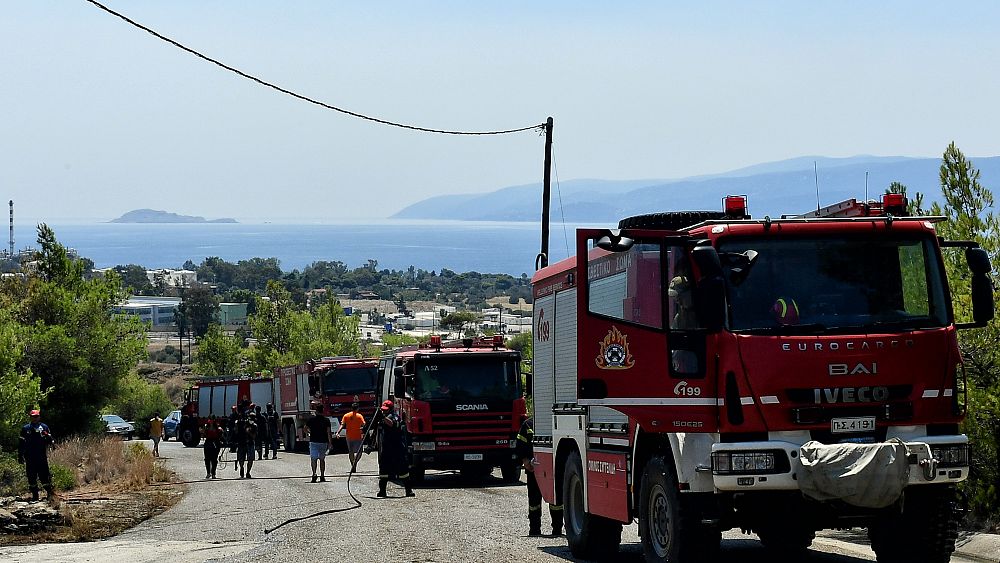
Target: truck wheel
(926, 531)
(589, 536)
(189, 436)
(510, 472)
(673, 220)
(667, 533)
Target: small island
(154, 216)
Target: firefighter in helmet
(525, 453)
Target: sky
(99, 118)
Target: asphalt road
(448, 520)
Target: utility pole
(542, 260)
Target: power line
(300, 96)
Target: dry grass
(106, 461)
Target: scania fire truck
(332, 383)
(702, 371)
(462, 403)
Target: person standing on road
(392, 462)
(32, 452)
(246, 430)
(353, 422)
(213, 443)
(525, 453)
(272, 419)
(156, 432)
(320, 442)
(234, 417)
(263, 439)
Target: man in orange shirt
(353, 422)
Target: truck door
(640, 347)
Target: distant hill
(773, 188)
(154, 216)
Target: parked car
(170, 425)
(118, 426)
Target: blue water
(429, 245)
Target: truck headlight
(732, 463)
(951, 455)
(424, 446)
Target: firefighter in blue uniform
(32, 452)
(525, 453)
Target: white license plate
(853, 424)
(473, 457)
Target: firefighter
(213, 443)
(246, 432)
(525, 453)
(392, 462)
(272, 419)
(32, 453)
(263, 438)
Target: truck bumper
(459, 459)
(932, 459)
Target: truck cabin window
(466, 378)
(858, 284)
(344, 381)
(626, 285)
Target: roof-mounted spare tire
(670, 220)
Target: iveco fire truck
(702, 371)
(462, 403)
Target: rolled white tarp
(866, 475)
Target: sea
(460, 246)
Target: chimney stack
(11, 202)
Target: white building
(159, 312)
(173, 278)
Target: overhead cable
(300, 96)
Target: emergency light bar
(436, 341)
(735, 206)
(894, 204)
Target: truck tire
(510, 472)
(671, 220)
(926, 530)
(189, 436)
(589, 536)
(669, 534)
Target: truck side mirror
(981, 285)
(710, 291)
(528, 383)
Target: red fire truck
(217, 396)
(333, 383)
(462, 403)
(701, 371)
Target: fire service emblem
(614, 352)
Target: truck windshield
(349, 380)
(828, 284)
(466, 378)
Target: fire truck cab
(702, 371)
(462, 404)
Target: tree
(255, 273)
(218, 353)
(138, 400)
(72, 339)
(458, 320)
(968, 207)
(134, 279)
(199, 309)
(20, 390)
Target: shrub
(982, 425)
(13, 481)
(63, 478)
